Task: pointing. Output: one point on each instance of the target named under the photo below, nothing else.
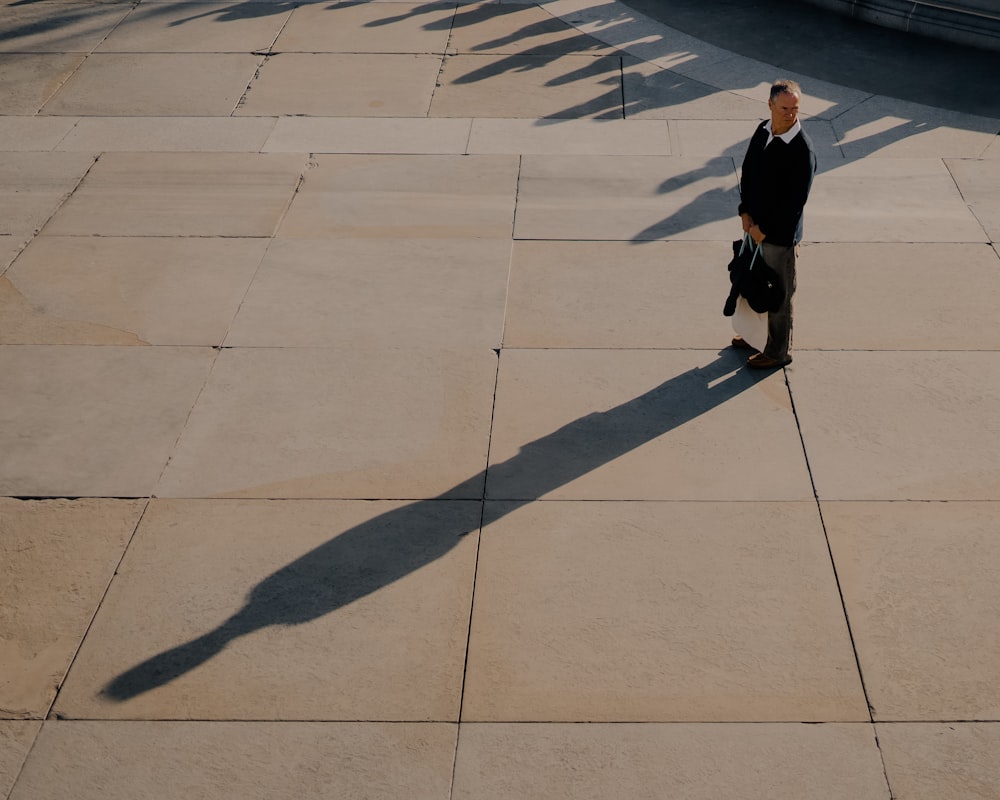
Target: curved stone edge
(616, 23)
(968, 23)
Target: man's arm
(750, 172)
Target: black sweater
(775, 184)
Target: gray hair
(785, 86)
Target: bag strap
(746, 241)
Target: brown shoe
(760, 361)
(742, 344)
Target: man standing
(777, 174)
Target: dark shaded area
(370, 556)
(792, 35)
(967, 22)
(798, 37)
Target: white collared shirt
(786, 137)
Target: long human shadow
(712, 205)
(390, 546)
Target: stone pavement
(367, 421)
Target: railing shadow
(830, 46)
(811, 42)
(376, 553)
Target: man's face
(784, 111)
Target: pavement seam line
(836, 578)
(249, 87)
(501, 345)
(216, 352)
(281, 30)
(97, 610)
(78, 67)
(475, 576)
(826, 537)
(59, 206)
(968, 204)
(513, 229)
(440, 72)
(218, 349)
(253, 278)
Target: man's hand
(756, 233)
(747, 222)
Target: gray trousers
(779, 323)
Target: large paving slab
(34, 185)
(350, 27)
(649, 762)
(566, 136)
(93, 421)
(27, 134)
(410, 136)
(156, 84)
(549, 86)
(420, 196)
(59, 557)
(642, 425)
(621, 612)
(181, 194)
(168, 134)
(920, 590)
(16, 738)
(309, 610)
(58, 27)
(308, 760)
(881, 296)
(566, 294)
(10, 246)
(886, 127)
(215, 27)
(930, 761)
(28, 80)
(347, 423)
(419, 292)
(899, 425)
(889, 200)
(367, 84)
(103, 290)
(629, 198)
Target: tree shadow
(382, 550)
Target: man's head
(784, 105)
